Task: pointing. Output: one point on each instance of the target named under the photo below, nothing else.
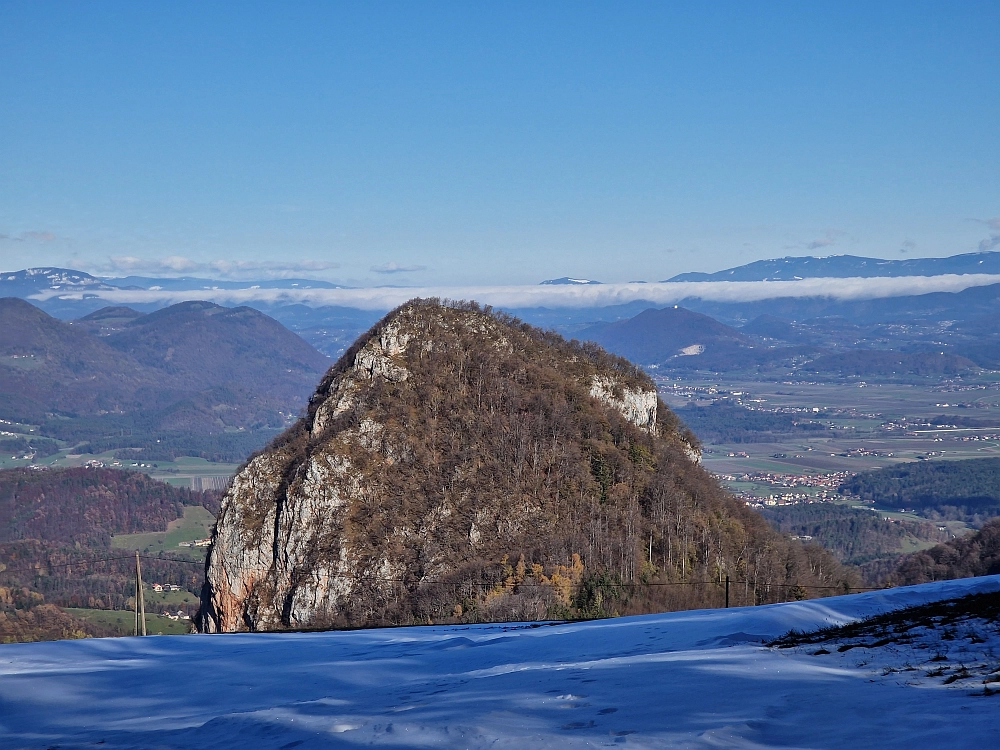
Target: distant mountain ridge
(69, 294)
(849, 266)
(675, 339)
(827, 322)
(191, 369)
(49, 366)
(201, 342)
(188, 283)
(966, 305)
(654, 336)
(36, 280)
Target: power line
(617, 584)
(42, 566)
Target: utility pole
(727, 592)
(140, 604)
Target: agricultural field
(863, 426)
(122, 622)
(787, 447)
(159, 601)
(23, 362)
(194, 525)
(833, 431)
(185, 471)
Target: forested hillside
(974, 555)
(856, 536)
(191, 379)
(54, 524)
(967, 490)
(654, 336)
(49, 366)
(723, 422)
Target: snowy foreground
(685, 679)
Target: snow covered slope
(685, 679)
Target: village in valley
(822, 436)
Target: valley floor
(685, 679)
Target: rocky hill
(458, 465)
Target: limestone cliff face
(637, 405)
(446, 438)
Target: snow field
(684, 679)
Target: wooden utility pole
(140, 603)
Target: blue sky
(436, 143)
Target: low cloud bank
(583, 295)
(229, 269)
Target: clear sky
(501, 143)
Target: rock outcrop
(446, 444)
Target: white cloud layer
(128, 265)
(576, 295)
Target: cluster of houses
(161, 587)
(165, 587)
(196, 543)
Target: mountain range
(566, 280)
(940, 332)
(38, 281)
(676, 340)
(190, 369)
(764, 336)
(849, 266)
